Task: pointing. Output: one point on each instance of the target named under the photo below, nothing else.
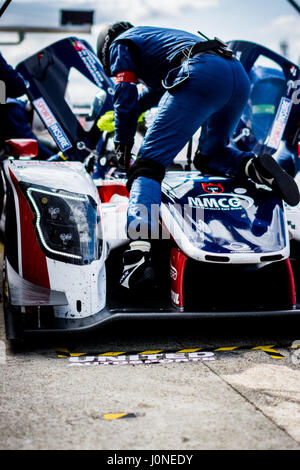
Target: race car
(224, 247)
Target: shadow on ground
(138, 335)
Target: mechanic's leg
(213, 154)
(181, 112)
(214, 157)
(144, 203)
(174, 125)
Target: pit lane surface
(56, 394)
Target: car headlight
(67, 224)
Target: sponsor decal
(92, 63)
(263, 109)
(212, 187)
(182, 355)
(240, 190)
(136, 359)
(175, 297)
(78, 45)
(224, 201)
(52, 125)
(279, 123)
(173, 273)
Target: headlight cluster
(67, 224)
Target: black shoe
(138, 273)
(265, 170)
(201, 162)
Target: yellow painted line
(112, 353)
(189, 350)
(152, 352)
(111, 416)
(269, 350)
(77, 354)
(5, 289)
(65, 352)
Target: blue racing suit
(206, 90)
(14, 82)
(15, 86)
(14, 119)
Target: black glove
(123, 153)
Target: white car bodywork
(83, 285)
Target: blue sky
(263, 21)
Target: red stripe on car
(34, 263)
(177, 267)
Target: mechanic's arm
(148, 99)
(124, 69)
(14, 82)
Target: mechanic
(14, 86)
(195, 83)
(14, 82)
(14, 113)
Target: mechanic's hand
(123, 153)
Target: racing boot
(138, 273)
(200, 162)
(265, 170)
